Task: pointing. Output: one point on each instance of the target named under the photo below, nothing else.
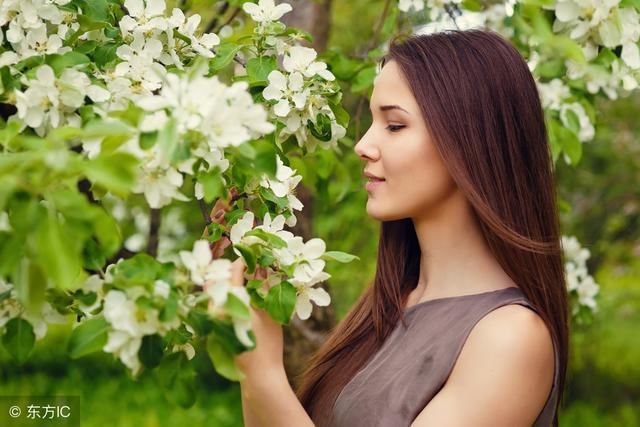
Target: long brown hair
(482, 109)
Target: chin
(382, 215)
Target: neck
(455, 258)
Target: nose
(365, 148)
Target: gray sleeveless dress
(414, 362)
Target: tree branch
(154, 228)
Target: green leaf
(140, 269)
(343, 67)
(151, 350)
(321, 129)
(281, 301)
(97, 10)
(92, 257)
(270, 238)
(342, 115)
(630, 3)
(265, 160)
(222, 360)
(364, 79)
(212, 184)
(200, 321)
(170, 309)
(168, 138)
(59, 251)
(245, 150)
(148, 139)
(19, 339)
(177, 379)
(107, 232)
(258, 68)
(573, 121)
(551, 68)
(59, 63)
(215, 231)
(266, 258)
(572, 146)
(249, 257)
(30, 284)
(280, 202)
(224, 55)
(115, 172)
(90, 336)
(339, 256)
(105, 53)
(236, 308)
(472, 5)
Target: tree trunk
(313, 17)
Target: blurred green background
(603, 387)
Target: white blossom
(144, 16)
(138, 62)
(407, 5)
(302, 59)
(266, 10)
(287, 91)
(284, 184)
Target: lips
(373, 177)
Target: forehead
(390, 85)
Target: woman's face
(397, 147)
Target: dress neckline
(427, 302)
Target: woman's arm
(250, 419)
(271, 400)
(502, 377)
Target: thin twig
(453, 10)
(221, 10)
(204, 209)
(154, 228)
(228, 21)
(378, 30)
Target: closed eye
(394, 128)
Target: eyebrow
(392, 107)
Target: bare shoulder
(503, 374)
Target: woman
(466, 321)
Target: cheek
(418, 183)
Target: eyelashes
(394, 128)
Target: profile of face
(398, 148)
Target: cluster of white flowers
(298, 95)
(298, 92)
(50, 102)
(601, 22)
(304, 257)
(151, 46)
(35, 27)
(555, 96)
(130, 323)
(10, 308)
(593, 24)
(225, 115)
(596, 24)
(579, 281)
(284, 185)
(214, 275)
